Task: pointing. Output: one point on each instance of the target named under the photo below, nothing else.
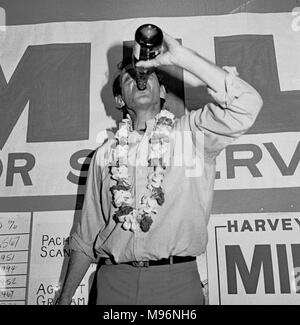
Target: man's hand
(173, 53)
(63, 301)
(168, 56)
(77, 267)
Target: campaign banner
(56, 101)
(254, 259)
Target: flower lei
(140, 218)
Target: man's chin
(143, 99)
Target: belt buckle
(140, 263)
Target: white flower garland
(140, 218)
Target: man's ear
(163, 92)
(119, 101)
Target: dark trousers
(175, 284)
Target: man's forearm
(194, 63)
(77, 267)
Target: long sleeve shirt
(180, 225)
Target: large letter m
(55, 80)
(262, 259)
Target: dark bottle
(147, 45)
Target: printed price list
(14, 259)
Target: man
(147, 218)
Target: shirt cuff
(77, 244)
(233, 88)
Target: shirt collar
(149, 124)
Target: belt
(163, 261)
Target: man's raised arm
(236, 103)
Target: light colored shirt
(180, 225)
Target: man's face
(135, 98)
